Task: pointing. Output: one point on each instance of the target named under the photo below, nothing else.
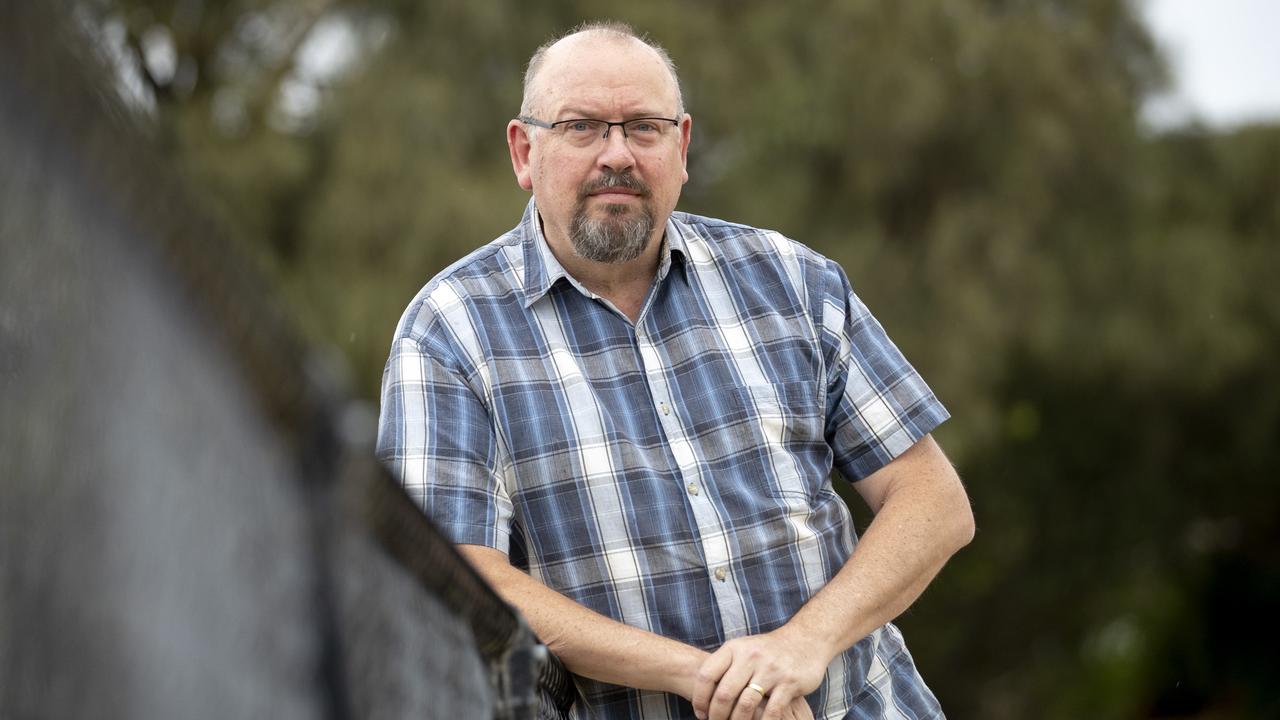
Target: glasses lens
(646, 131)
(586, 132)
(582, 132)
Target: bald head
(559, 51)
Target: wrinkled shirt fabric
(674, 474)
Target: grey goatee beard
(621, 235)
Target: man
(627, 419)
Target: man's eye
(642, 127)
(581, 126)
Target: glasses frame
(608, 126)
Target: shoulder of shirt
(736, 240)
(487, 269)
(765, 258)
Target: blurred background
(1049, 205)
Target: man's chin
(613, 210)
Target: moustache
(610, 180)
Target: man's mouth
(616, 188)
(614, 194)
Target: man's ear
(686, 135)
(518, 143)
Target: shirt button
(720, 574)
(693, 489)
(665, 410)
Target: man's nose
(616, 153)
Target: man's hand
(922, 518)
(798, 710)
(781, 662)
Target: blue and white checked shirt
(674, 475)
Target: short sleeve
(436, 436)
(878, 406)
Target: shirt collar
(542, 269)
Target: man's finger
(731, 690)
(797, 709)
(713, 668)
(748, 699)
(800, 709)
(780, 705)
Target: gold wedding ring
(757, 688)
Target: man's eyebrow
(576, 113)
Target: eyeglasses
(584, 132)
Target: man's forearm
(922, 518)
(588, 643)
(920, 525)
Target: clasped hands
(759, 676)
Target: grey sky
(1225, 57)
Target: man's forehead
(597, 38)
(587, 68)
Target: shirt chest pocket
(536, 428)
(767, 438)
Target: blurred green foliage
(1090, 297)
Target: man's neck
(626, 285)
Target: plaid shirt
(674, 474)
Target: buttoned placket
(712, 531)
